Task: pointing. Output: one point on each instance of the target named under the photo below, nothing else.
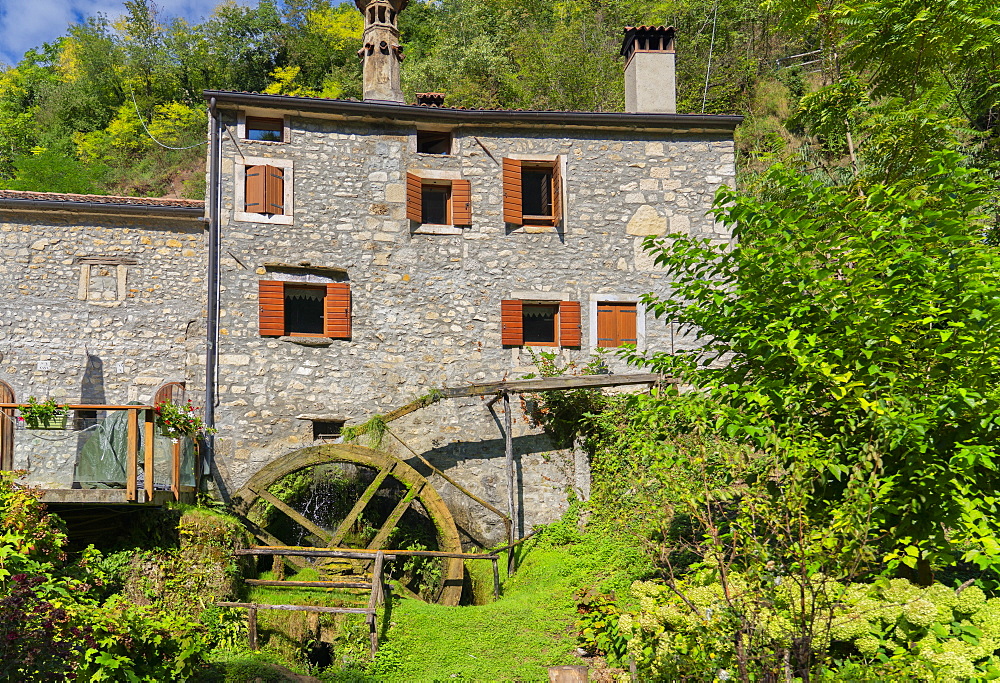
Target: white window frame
(442, 177)
(241, 127)
(561, 221)
(618, 297)
(239, 195)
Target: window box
(294, 309)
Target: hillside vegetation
(79, 114)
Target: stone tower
(382, 52)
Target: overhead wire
(142, 121)
(711, 49)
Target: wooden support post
(496, 579)
(147, 460)
(175, 469)
(278, 567)
(132, 466)
(252, 625)
(509, 452)
(374, 600)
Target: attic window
(433, 142)
(265, 129)
(324, 430)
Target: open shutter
(461, 202)
(271, 299)
(627, 316)
(557, 198)
(511, 322)
(274, 190)
(255, 189)
(414, 198)
(512, 212)
(6, 428)
(337, 311)
(569, 323)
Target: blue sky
(25, 24)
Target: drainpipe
(214, 208)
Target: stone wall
(426, 308)
(98, 309)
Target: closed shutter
(511, 322)
(616, 324)
(569, 323)
(254, 196)
(414, 198)
(274, 190)
(557, 198)
(6, 428)
(337, 311)
(271, 300)
(512, 212)
(627, 316)
(461, 202)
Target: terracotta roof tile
(100, 199)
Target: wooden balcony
(105, 455)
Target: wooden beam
(358, 508)
(132, 466)
(307, 584)
(354, 553)
(297, 608)
(555, 384)
(509, 456)
(393, 519)
(175, 469)
(147, 460)
(296, 516)
(74, 406)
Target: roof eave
(407, 112)
(192, 213)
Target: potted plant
(179, 420)
(45, 414)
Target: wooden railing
(135, 414)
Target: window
(438, 202)
(296, 310)
(616, 324)
(264, 129)
(433, 142)
(103, 279)
(540, 323)
(532, 192)
(326, 430)
(263, 189)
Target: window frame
(241, 127)
(434, 132)
(304, 285)
(512, 186)
(459, 191)
(618, 298)
(267, 321)
(557, 305)
(568, 320)
(241, 164)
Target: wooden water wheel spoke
(384, 467)
(401, 507)
(310, 526)
(359, 507)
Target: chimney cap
(430, 99)
(650, 39)
(362, 4)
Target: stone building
(371, 251)
(362, 253)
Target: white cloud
(25, 24)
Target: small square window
(433, 142)
(264, 129)
(300, 310)
(327, 430)
(540, 323)
(616, 324)
(436, 203)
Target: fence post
(252, 625)
(132, 467)
(148, 464)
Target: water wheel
(396, 485)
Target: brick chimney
(650, 83)
(382, 52)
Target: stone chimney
(650, 83)
(382, 52)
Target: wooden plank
(296, 516)
(496, 580)
(175, 469)
(83, 406)
(252, 626)
(307, 584)
(393, 519)
(555, 384)
(147, 461)
(374, 600)
(297, 608)
(509, 455)
(359, 507)
(355, 553)
(132, 466)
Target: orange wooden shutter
(461, 202)
(511, 322)
(569, 323)
(274, 190)
(255, 189)
(627, 315)
(337, 311)
(271, 298)
(557, 203)
(414, 198)
(512, 212)
(607, 326)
